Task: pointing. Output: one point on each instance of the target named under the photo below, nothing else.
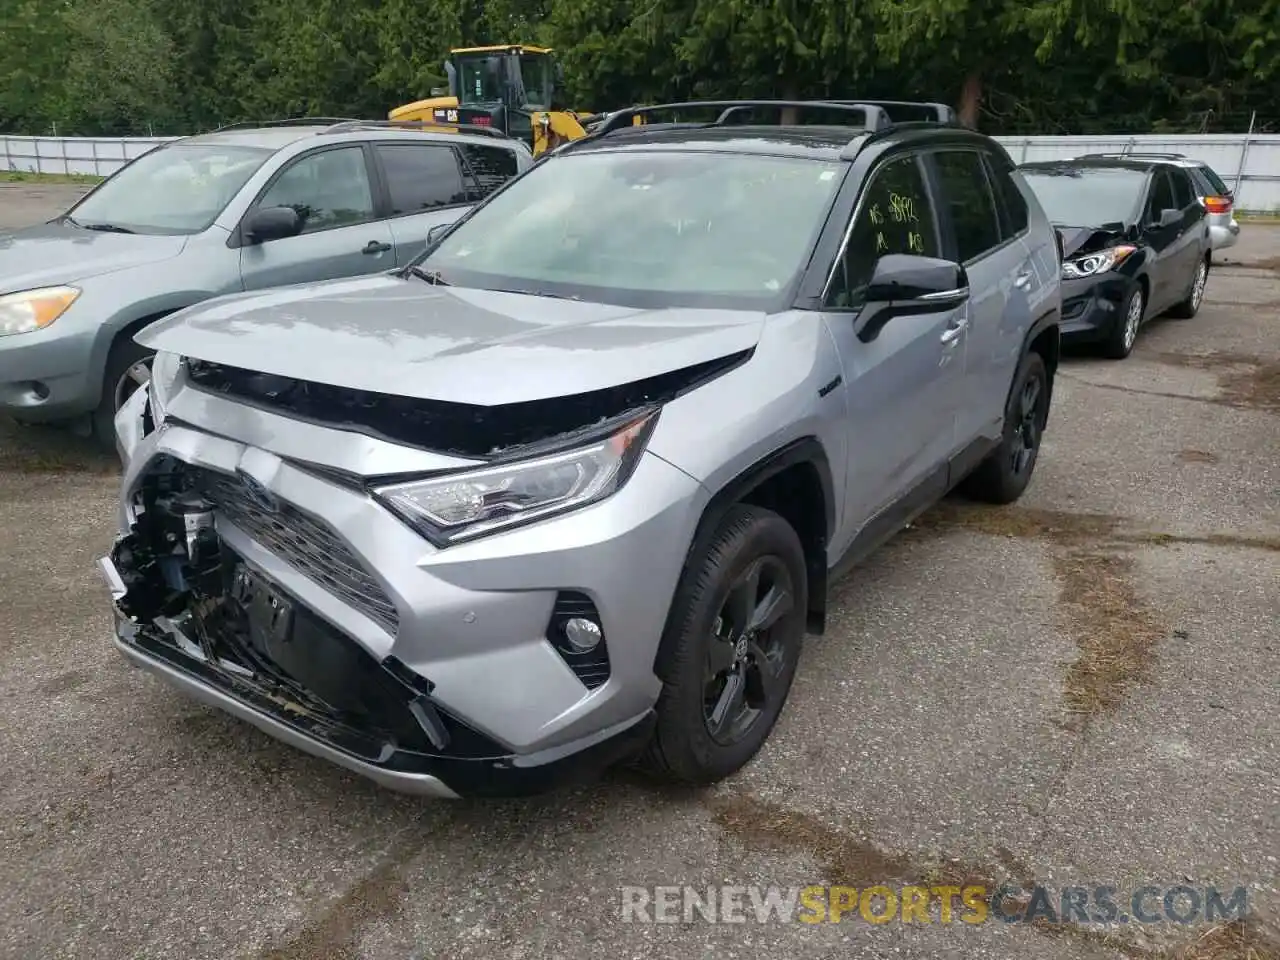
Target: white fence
(95, 156)
(1249, 165)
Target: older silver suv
(239, 209)
(573, 485)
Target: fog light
(582, 635)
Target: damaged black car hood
(1078, 241)
(408, 338)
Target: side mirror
(436, 232)
(272, 223)
(1169, 217)
(904, 285)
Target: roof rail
(289, 122)
(1141, 154)
(350, 126)
(937, 112)
(873, 117)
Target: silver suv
(242, 208)
(572, 487)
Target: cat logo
(452, 116)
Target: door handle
(953, 333)
(1023, 280)
(374, 246)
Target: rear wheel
(128, 370)
(1189, 307)
(1125, 332)
(730, 650)
(1004, 475)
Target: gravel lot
(1080, 690)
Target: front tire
(730, 650)
(128, 369)
(1120, 343)
(1003, 476)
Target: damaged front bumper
(394, 737)
(434, 672)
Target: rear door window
(1183, 194)
(967, 196)
(490, 168)
(421, 177)
(1012, 204)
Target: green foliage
(1061, 66)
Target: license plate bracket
(267, 609)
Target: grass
(23, 176)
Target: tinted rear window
(421, 176)
(1215, 181)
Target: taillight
(1217, 204)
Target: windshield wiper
(535, 293)
(105, 227)
(430, 276)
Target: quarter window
(490, 168)
(328, 189)
(967, 195)
(895, 215)
(421, 176)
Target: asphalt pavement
(1078, 690)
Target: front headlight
(461, 506)
(1095, 263)
(34, 309)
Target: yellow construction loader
(513, 88)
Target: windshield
(177, 189)
(480, 79)
(536, 70)
(645, 229)
(1084, 196)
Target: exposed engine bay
(192, 602)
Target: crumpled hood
(1078, 241)
(407, 338)
(55, 253)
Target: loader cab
(501, 86)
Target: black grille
(592, 668)
(300, 540)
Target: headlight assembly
(461, 506)
(31, 310)
(1095, 263)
